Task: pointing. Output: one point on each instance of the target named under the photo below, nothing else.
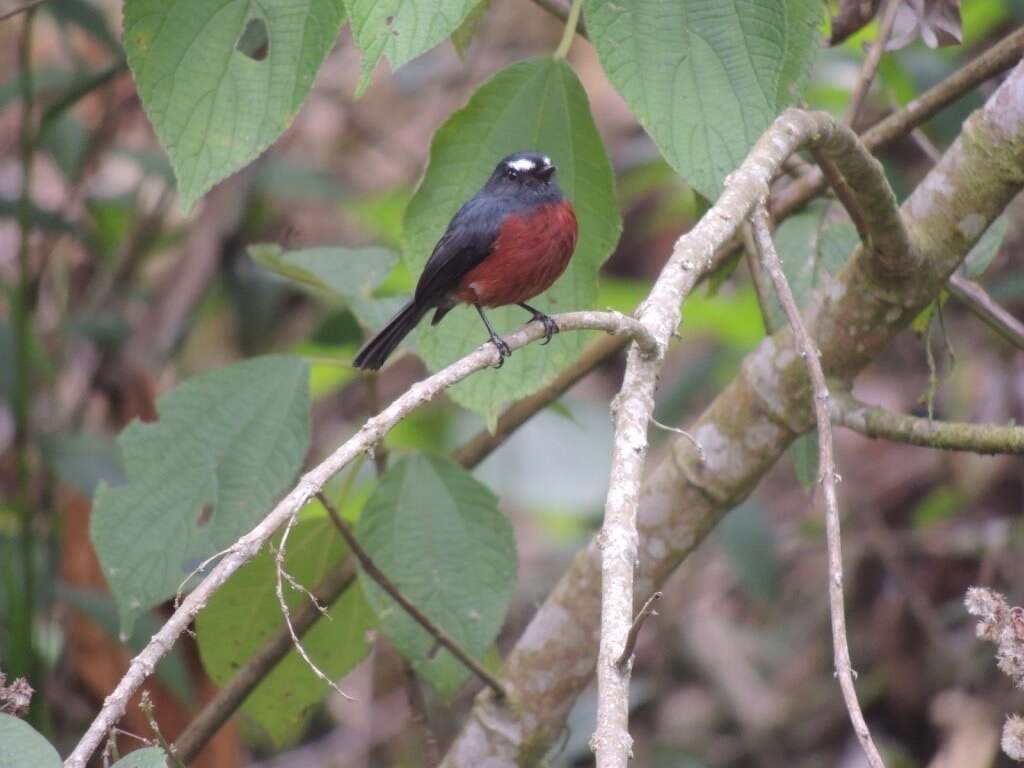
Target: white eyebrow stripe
(522, 164)
(547, 161)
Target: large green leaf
(213, 106)
(148, 757)
(226, 445)
(438, 535)
(532, 105)
(245, 612)
(401, 29)
(346, 274)
(706, 77)
(21, 746)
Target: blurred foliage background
(132, 296)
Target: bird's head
(523, 171)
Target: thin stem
(570, 30)
(560, 12)
(872, 421)
(146, 705)
(871, 62)
(827, 469)
(843, 192)
(634, 631)
(375, 573)
(987, 309)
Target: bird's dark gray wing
(467, 241)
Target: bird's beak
(546, 173)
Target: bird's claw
(503, 350)
(550, 327)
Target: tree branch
(748, 427)
(999, 58)
(987, 309)
(438, 633)
(369, 435)
(633, 407)
(872, 421)
(827, 477)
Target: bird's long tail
(377, 350)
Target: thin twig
(876, 422)
(286, 612)
(27, 6)
(634, 631)
(987, 309)
(843, 192)
(146, 705)
(828, 476)
(871, 61)
(229, 698)
(438, 633)
(683, 433)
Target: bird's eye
(512, 173)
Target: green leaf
(213, 107)
(226, 445)
(244, 613)
(346, 274)
(706, 77)
(985, 250)
(401, 30)
(536, 104)
(438, 535)
(463, 36)
(148, 757)
(804, 455)
(21, 746)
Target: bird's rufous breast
(529, 254)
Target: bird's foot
(550, 326)
(503, 350)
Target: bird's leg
(550, 326)
(496, 340)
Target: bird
(507, 244)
